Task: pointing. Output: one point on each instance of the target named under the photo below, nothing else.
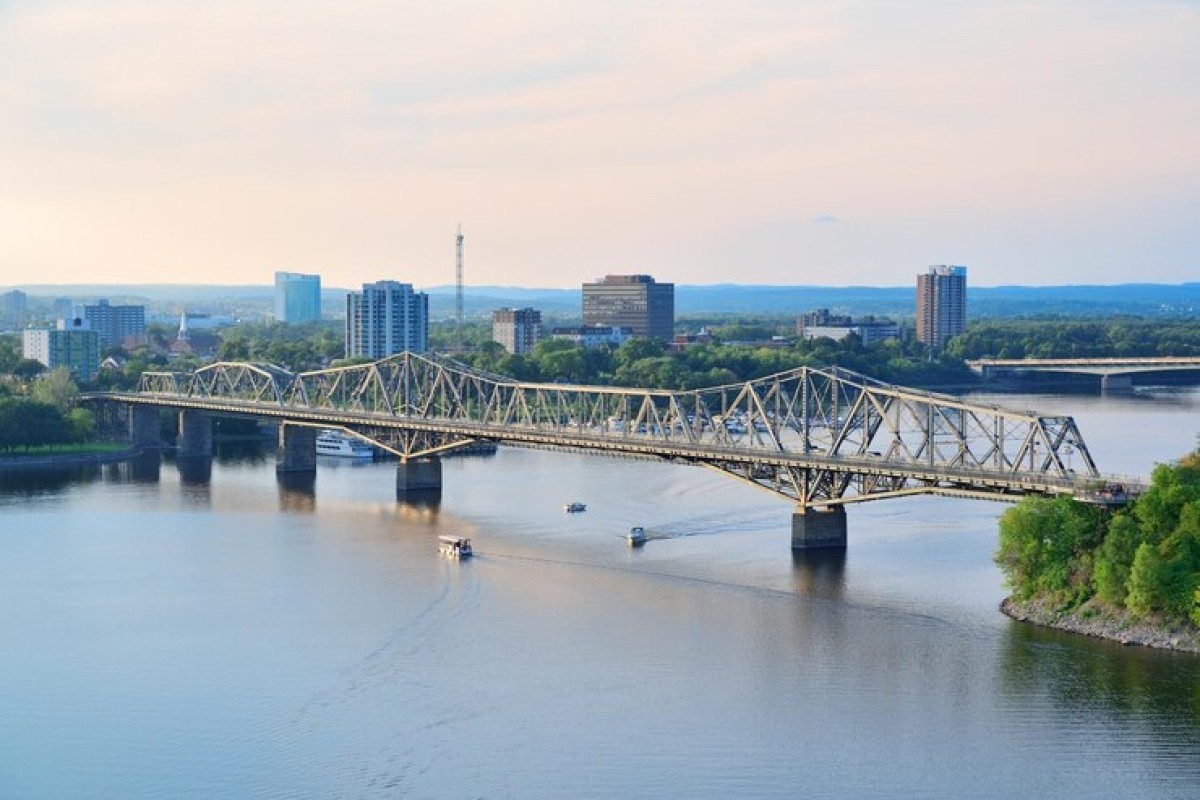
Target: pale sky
(837, 143)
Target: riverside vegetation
(1131, 575)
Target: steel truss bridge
(819, 437)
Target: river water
(168, 637)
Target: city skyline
(831, 144)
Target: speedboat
(636, 536)
(575, 507)
(341, 445)
(454, 546)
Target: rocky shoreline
(1115, 626)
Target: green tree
(1046, 548)
(1145, 591)
(56, 388)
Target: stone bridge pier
(296, 453)
(1112, 384)
(195, 435)
(144, 431)
(419, 476)
(819, 528)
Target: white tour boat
(342, 445)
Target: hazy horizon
(835, 144)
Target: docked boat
(575, 507)
(342, 445)
(636, 536)
(454, 546)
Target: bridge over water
(822, 438)
(1116, 374)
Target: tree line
(1144, 559)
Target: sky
(825, 143)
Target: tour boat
(575, 507)
(636, 536)
(341, 445)
(454, 546)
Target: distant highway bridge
(1115, 374)
(822, 438)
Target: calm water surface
(170, 637)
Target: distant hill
(1144, 299)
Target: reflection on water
(819, 573)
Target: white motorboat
(574, 507)
(454, 546)
(342, 445)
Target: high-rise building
(113, 323)
(297, 297)
(518, 329)
(13, 305)
(636, 302)
(941, 304)
(386, 318)
(70, 344)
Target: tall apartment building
(297, 297)
(113, 323)
(518, 329)
(70, 344)
(386, 318)
(635, 302)
(941, 304)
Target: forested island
(1132, 575)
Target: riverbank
(1105, 624)
(12, 463)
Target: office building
(71, 343)
(297, 297)
(386, 318)
(820, 324)
(518, 329)
(635, 302)
(941, 304)
(114, 323)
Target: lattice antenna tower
(458, 287)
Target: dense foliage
(296, 347)
(1144, 558)
(1118, 338)
(648, 362)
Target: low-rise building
(593, 335)
(819, 324)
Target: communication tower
(458, 287)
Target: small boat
(341, 445)
(454, 546)
(575, 507)
(636, 536)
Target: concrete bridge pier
(195, 435)
(418, 475)
(297, 450)
(1115, 384)
(144, 430)
(814, 528)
